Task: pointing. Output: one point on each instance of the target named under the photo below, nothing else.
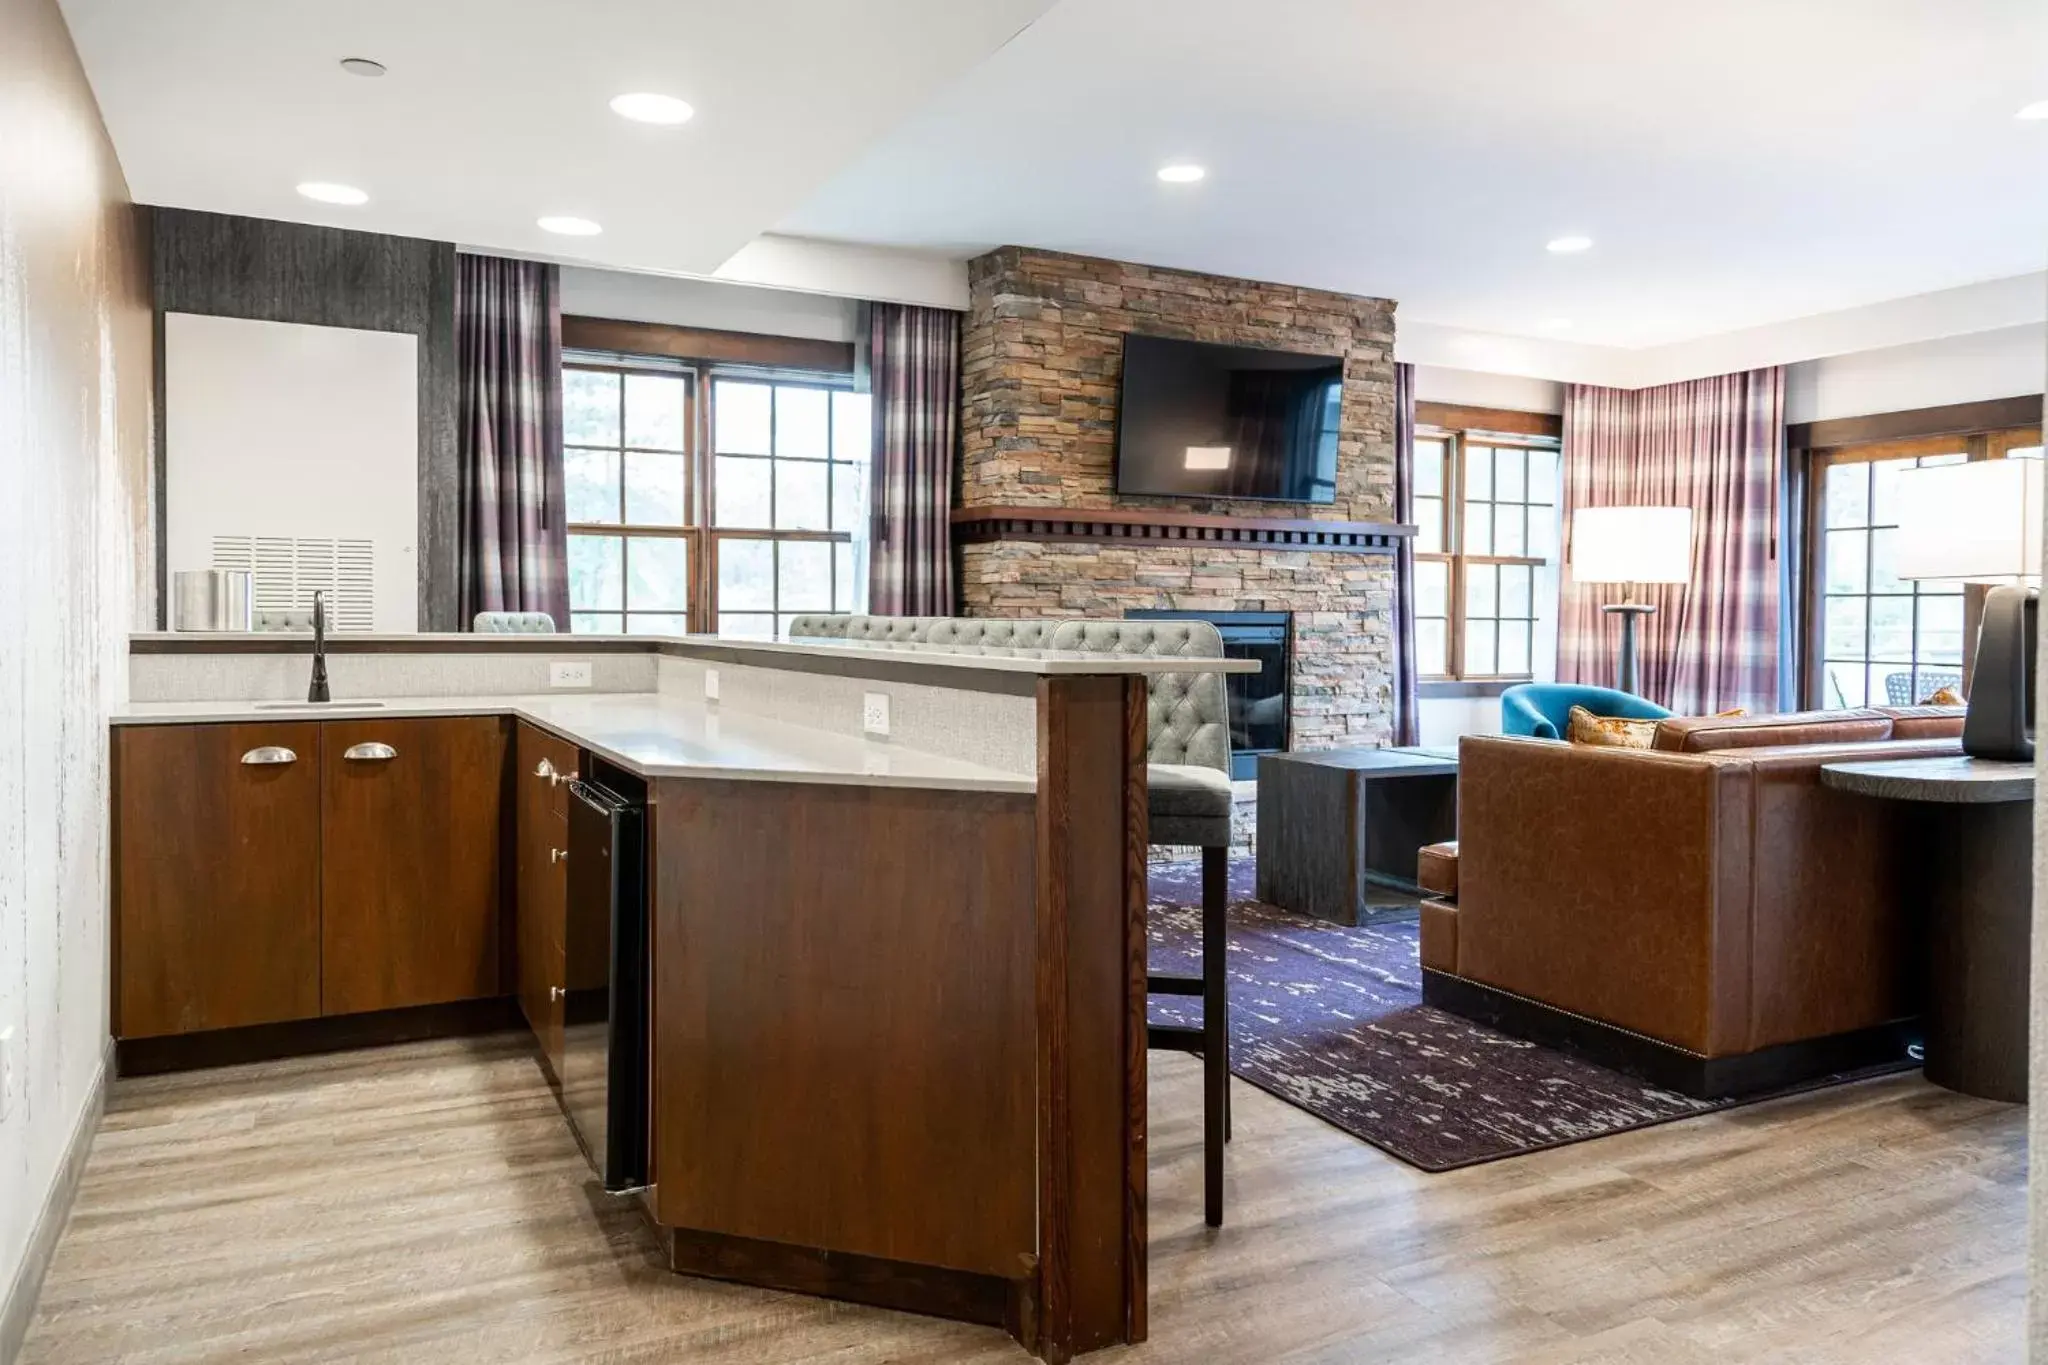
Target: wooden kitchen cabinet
(541, 772)
(412, 820)
(216, 865)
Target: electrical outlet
(8, 1070)
(569, 674)
(874, 712)
(711, 684)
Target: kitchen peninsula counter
(897, 1000)
(646, 733)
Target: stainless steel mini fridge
(606, 1013)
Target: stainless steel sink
(317, 705)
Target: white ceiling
(494, 112)
(1735, 161)
(1738, 162)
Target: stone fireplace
(1041, 530)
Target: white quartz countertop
(985, 658)
(653, 735)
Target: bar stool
(1189, 801)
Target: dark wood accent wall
(228, 266)
(706, 344)
(980, 525)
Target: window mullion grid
(625, 537)
(1869, 574)
(1454, 510)
(831, 502)
(774, 508)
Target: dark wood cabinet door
(216, 876)
(541, 773)
(412, 818)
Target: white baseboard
(18, 1309)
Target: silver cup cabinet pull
(558, 855)
(266, 754)
(546, 770)
(556, 992)
(369, 752)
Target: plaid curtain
(514, 553)
(1407, 717)
(914, 375)
(1716, 446)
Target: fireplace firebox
(1258, 701)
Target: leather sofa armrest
(1436, 869)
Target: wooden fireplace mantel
(976, 525)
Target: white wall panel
(279, 429)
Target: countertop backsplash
(282, 677)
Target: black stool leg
(1215, 1029)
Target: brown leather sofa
(1704, 912)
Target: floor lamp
(1631, 545)
(1981, 523)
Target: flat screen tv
(1201, 420)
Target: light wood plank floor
(426, 1203)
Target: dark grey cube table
(1334, 823)
(1976, 851)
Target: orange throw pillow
(1610, 731)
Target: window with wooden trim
(1874, 639)
(626, 451)
(708, 498)
(1486, 548)
(789, 496)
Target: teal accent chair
(1544, 709)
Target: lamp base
(1626, 669)
(2000, 721)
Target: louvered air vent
(287, 571)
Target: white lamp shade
(1970, 523)
(1632, 545)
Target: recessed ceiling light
(570, 227)
(1564, 246)
(327, 192)
(1181, 172)
(2037, 110)
(362, 66)
(647, 108)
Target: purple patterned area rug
(1331, 1020)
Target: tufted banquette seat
(967, 632)
(513, 623)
